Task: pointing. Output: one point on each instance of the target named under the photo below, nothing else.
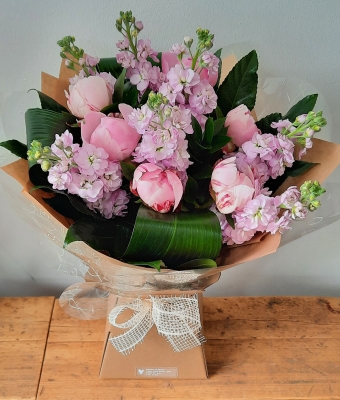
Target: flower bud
(139, 25)
(188, 41)
(46, 165)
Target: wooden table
(258, 348)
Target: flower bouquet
(152, 168)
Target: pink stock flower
(241, 125)
(203, 98)
(143, 75)
(86, 187)
(112, 134)
(237, 235)
(88, 94)
(91, 160)
(170, 59)
(126, 59)
(180, 78)
(111, 204)
(233, 189)
(159, 189)
(59, 177)
(257, 213)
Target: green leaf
(62, 205)
(119, 88)
(110, 65)
(191, 189)
(240, 86)
(200, 171)
(130, 96)
(218, 125)
(144, 98)
(300, 167)
(50, 104)
(218, 143)
(15, 147)
(38, 177)
(219, 113)
(302, 107)
(128, 170)
(42, 125)
(111, 108)
(158, 264)
(76, 201)
(197, 135)
(218, 55)
(109, 236)
(174, 238)
(264, 123)
(197, 264)
(208, 131)
(230, 220)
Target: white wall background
(298, 39)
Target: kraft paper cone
(325, 153)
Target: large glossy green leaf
(110, 65)
(109, 236)
(198, 264)
(42, 125)
(15, 147)
(302, 107)
(264, 123)
(174, 238)
(50, 104)
(240, 86)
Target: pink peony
(241, 125)
(114, 135)
(88, 94)
(233, 189)
(160, 189)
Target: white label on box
(160, 372)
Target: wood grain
(24, 324)
(257, 348)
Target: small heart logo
(141, 371)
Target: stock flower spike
(151, 136)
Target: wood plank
(257, 348)
(24, 324)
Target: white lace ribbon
(176, 318)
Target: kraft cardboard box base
(154, 358)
